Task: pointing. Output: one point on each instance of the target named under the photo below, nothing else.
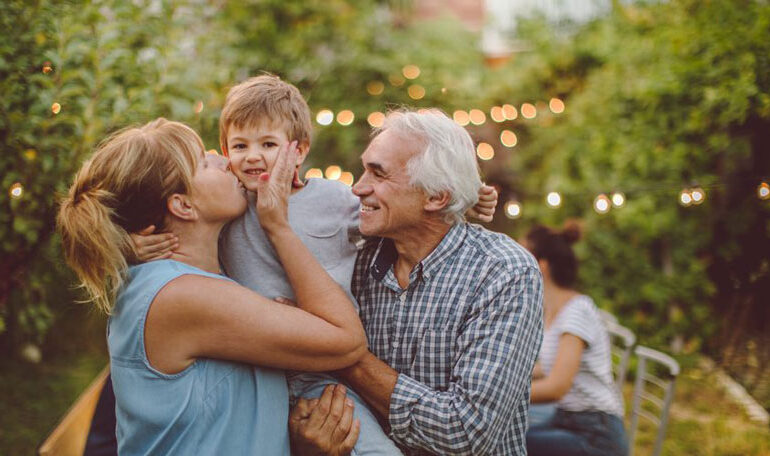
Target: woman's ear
(181, 207)
(436, 203)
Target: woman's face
(217, 193)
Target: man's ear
(303, 149)
(180, 206)
(436, 203)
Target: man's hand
(484, 210)
(324, 426)
(148, 246)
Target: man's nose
(361, 188)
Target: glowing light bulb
(314, 173)
(347, 178)
(512, 209)
(376, 119)
(556, 106)
(509, 112)
(553, 199)
(618, 199)
(477, 116)
(324, 117)
(763, 191)
(685, 198)
(55, 108)
(16, 190)
(461, 118)
(411, 71)
(496, 114)
(333, 172)
(198, 107)
(345, 117)
(416, 91)
(528, 111)
(602, 204)
(508, 138)
(375, 88)
(485, 151)
(698, 195)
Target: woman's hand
(484, 210)
(324, 426)
(148, 246)
(274, 188)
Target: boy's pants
(372, 441)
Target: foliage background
(660, 96)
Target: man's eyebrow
(374, 166)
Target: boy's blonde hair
(123, 188)
(261, 98)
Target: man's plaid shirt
(463, 336)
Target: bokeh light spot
(556, 106)
(461, 117)
(324, 117)
(477, 116)
(416, 91)
(376, 119)
(345, 117)
(411, 71)
(553, 199)
(512, 209)
(347, 178)
(509, 112)
(333, 172)
(375, 87)
(314, 173)
(508, 138)
(528, 111)
(485, 151)
(16, 190)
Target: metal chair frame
(647, 356)
(622, 342)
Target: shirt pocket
(433, 358)
(327, 244)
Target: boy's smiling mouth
(254, 171)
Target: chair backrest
(622, 342)
(607, 317)
(69, 436)
(647, 404)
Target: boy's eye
(239, 146)
(269, 144)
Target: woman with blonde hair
(191, 351)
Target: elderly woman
(574, 367)
(183, 339)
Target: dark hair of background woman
(555, 247)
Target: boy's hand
(274, 188)
(149, 247)
(484, 210)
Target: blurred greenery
(659, 96)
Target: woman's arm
(202, 317)
(559, 380)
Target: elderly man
(453, 312)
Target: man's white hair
(447, 162)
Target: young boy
(259, 116)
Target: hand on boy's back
(148, 246)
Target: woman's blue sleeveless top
(213, 407)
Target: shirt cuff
(406, 394)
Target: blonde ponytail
(121, 189)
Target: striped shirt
(463, 336)
(593, 388)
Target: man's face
(253, 150)
(389, 203)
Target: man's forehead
(388, 150)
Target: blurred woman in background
(574, 369)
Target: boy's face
(253, 150)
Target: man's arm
(498, 347)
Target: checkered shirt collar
(386, 255)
